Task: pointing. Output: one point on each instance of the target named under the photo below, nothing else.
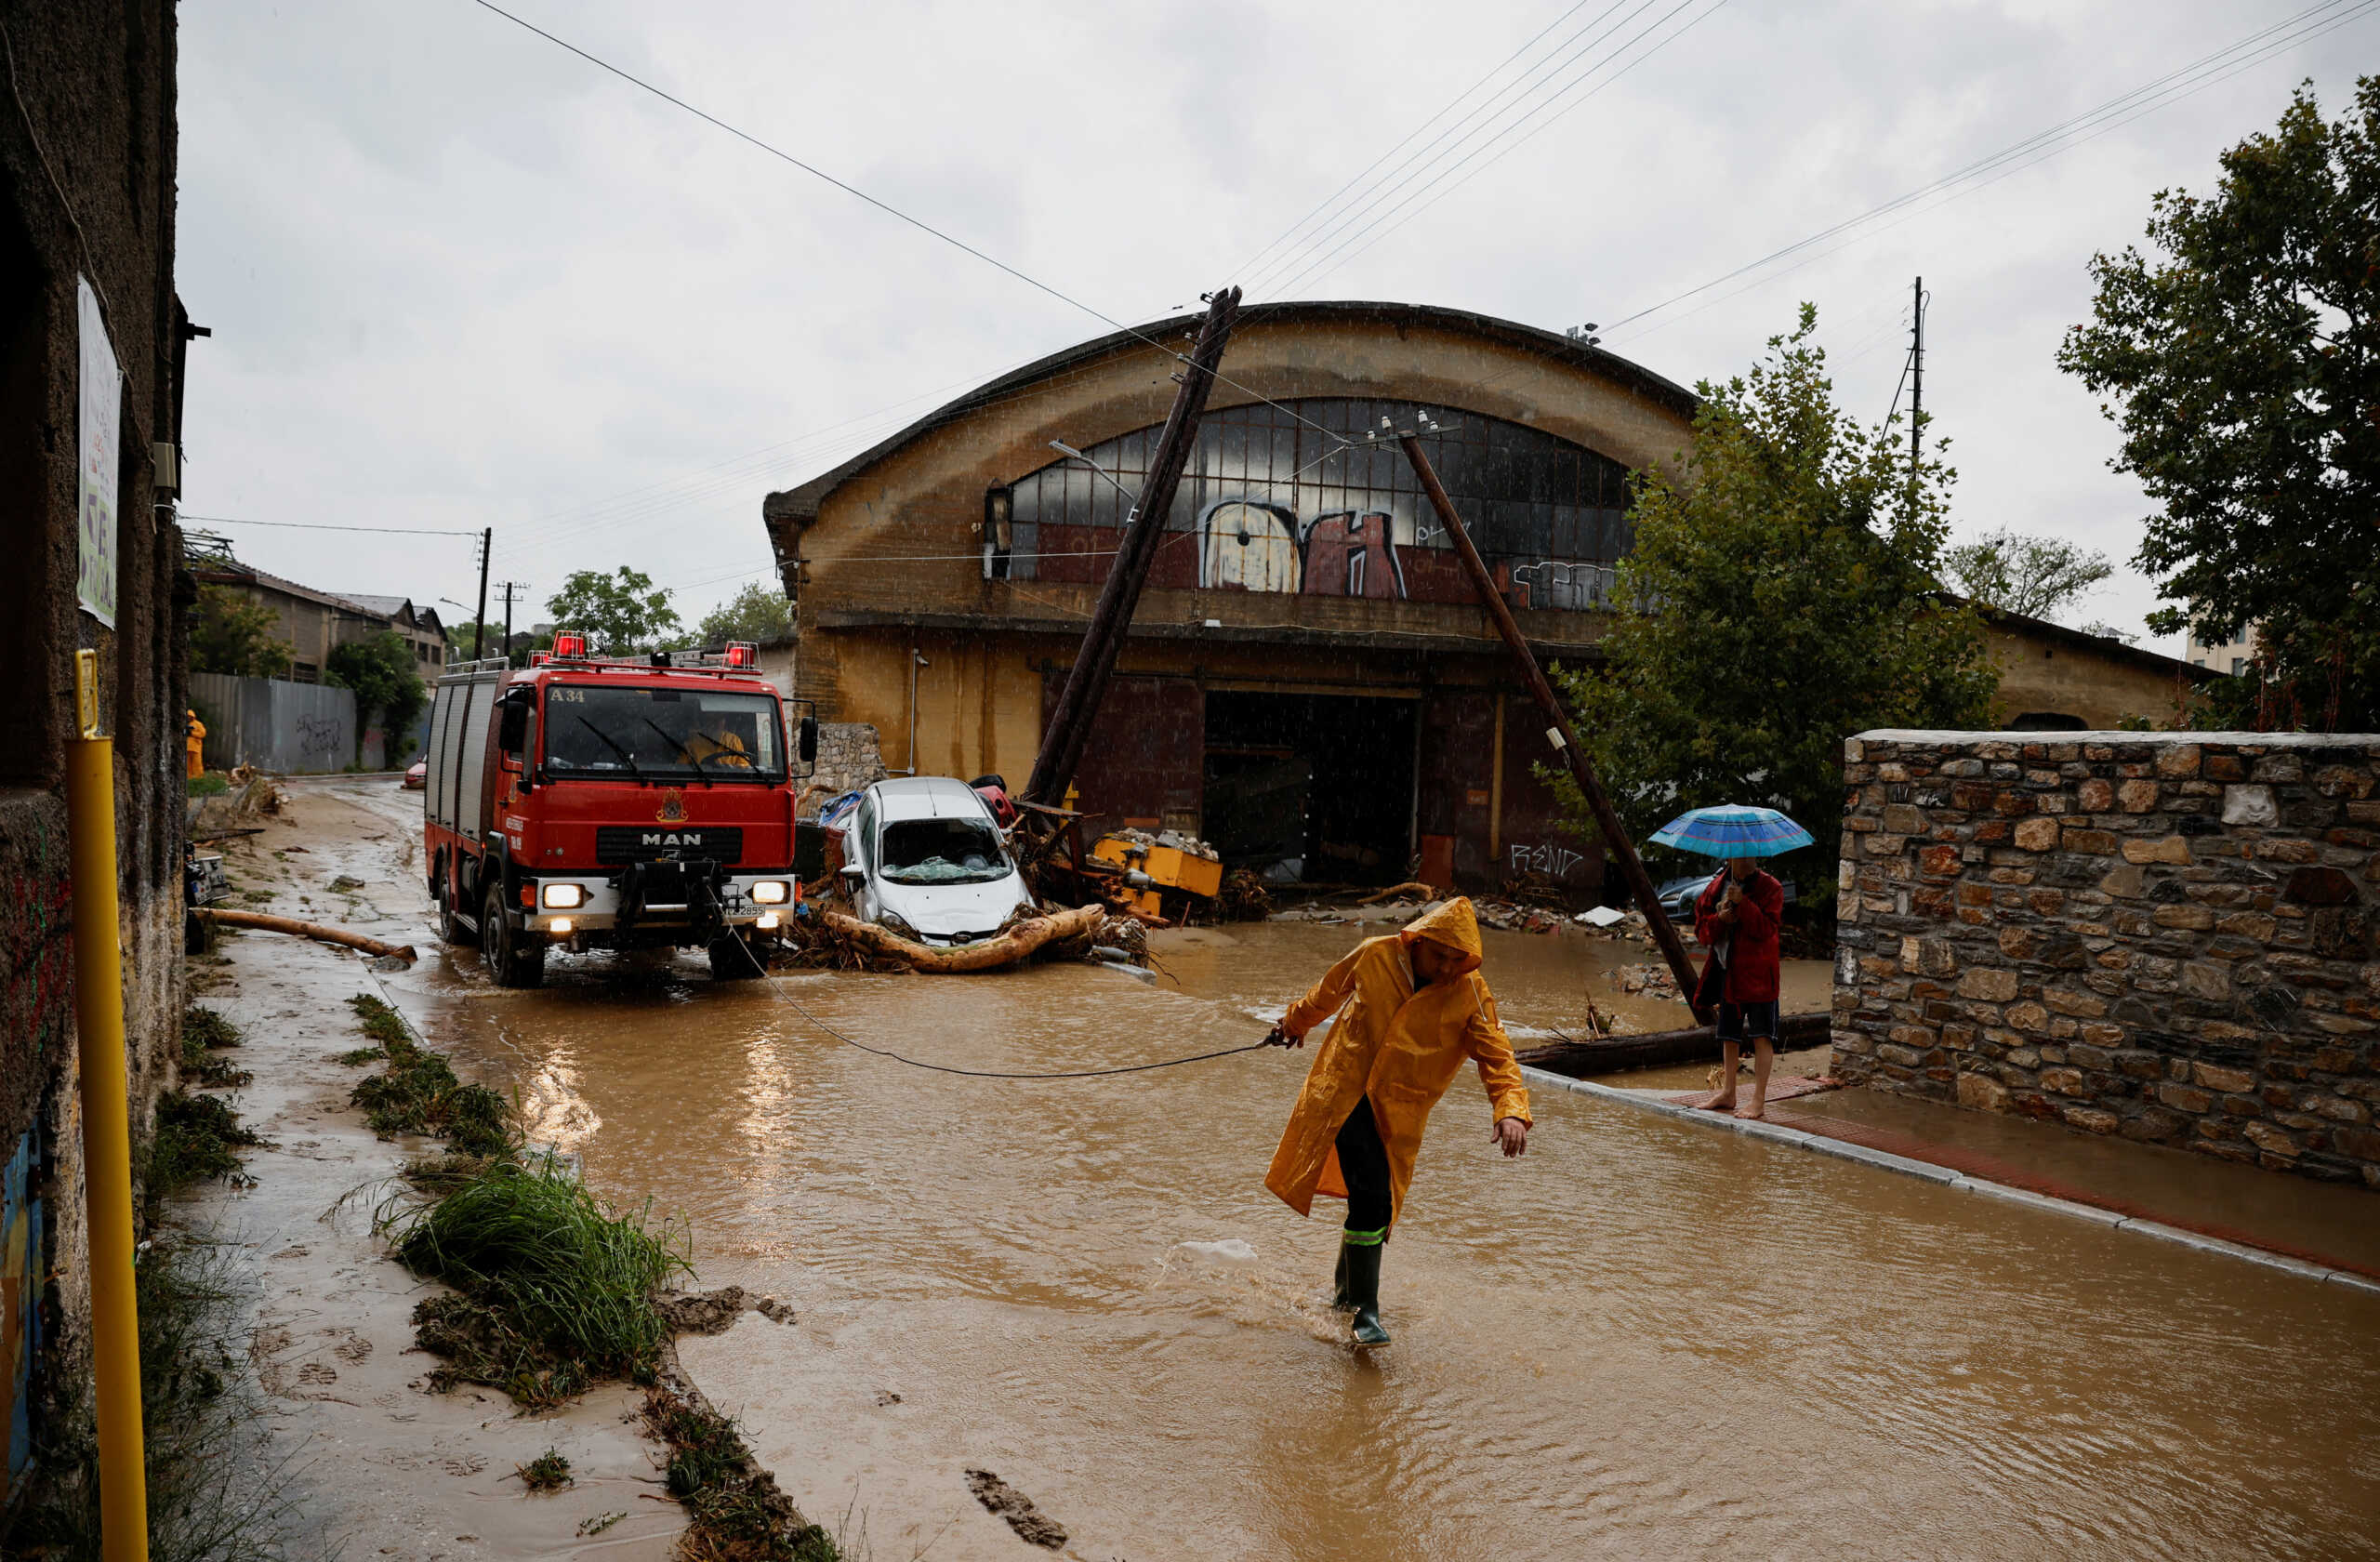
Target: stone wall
(2167, 936)
(847, 760)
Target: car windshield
(636, 733)
(943, 852)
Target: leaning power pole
(1557, 726)
(1069, 728)
(511, 588)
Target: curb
(1928, 1172)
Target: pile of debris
(1243, 899)
(1189, 845)
(1652, 978)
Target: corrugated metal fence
(284, 728)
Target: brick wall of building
(2168, 936)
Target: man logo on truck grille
(673, 806)
(672, 838)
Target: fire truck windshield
(611, 732)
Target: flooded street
(1643, 1339)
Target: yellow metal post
(107, 1130)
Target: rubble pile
(1243, 899)
(1188, 845)
(1651, 978)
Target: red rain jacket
(1750, 975)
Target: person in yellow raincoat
(194, 745)
(1414, 1008)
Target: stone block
(1939, 862)
(2091, 1120)
(1901, 820)
(1983, 1094)
(2060, 1001)
(2136, 796)
(2206, 979)
(2182, 1098)
(2172, 849)
(2094, 796)
(2250, 805)
(2097, 844)
(2318, 886)
(2271, 1140)
(1990, 987)
(2343, 781)
(2255, 925)
(2216, 1077)
(2046, 903)
(2196, 918)
(2225, 767)
(2179, 762)
(2126, 882)
(2062, 1081)
(2288, 852)
(2028, 1017)
(2038, 834)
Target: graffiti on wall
(1257, 546)
(1542, 857)
(321, 737)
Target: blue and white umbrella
(1732, 831)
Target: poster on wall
(102, 397)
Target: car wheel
(515, 958)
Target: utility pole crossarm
(1558, 729)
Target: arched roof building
(1308, 676)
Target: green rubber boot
(1363, 1290)
(1341, 1301)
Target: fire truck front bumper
(567, 906)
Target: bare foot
(1754, 1112)
(1717, 1101)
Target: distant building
(2053, 679)
(316, 623)
(2229, 656)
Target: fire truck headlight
(768, 922)
(772, 891)
(559, 925)
(565, 897)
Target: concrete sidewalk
(1968, 1171)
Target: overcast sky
(459, 278)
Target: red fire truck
(591, 802)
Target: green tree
(380, 669)
(622, 613)
(1781, 598)
(758, 613)
(2034, 576)
(2242, 364)
(230, 633)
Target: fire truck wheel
(732, 959)
(450, 925)
(513, 960)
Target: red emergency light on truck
(610, 803)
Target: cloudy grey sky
(459, 278)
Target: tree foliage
(230, 633)
(2034, 576)
(2242, 364)
(623, 612)
(380, 669)
(1781, 598)
(758, 613)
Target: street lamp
(1068, 451)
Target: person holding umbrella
(1736, 917)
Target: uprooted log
(303, 929)
(1018, 943)
(1411, 891)
(1660, 1049)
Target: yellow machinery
(1165, 868)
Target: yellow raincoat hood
(1454, 925)
(1397, 1046)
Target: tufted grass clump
(555, 1289)
(549, 1472)
(418, 1091)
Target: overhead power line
(319, 526)
(2113, 114)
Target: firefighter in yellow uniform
(1412, 1007)
(194, 745)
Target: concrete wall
(87, 183)
(2166, 936)
(289, 729)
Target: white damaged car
(923, 858)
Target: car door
(859, 848)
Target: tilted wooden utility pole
(1069, 729)
(1557, 731)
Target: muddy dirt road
(1643, 1340)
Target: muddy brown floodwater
(1645, 1339)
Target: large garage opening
(1311, 788)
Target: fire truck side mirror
(809, 739)
(512, 732)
